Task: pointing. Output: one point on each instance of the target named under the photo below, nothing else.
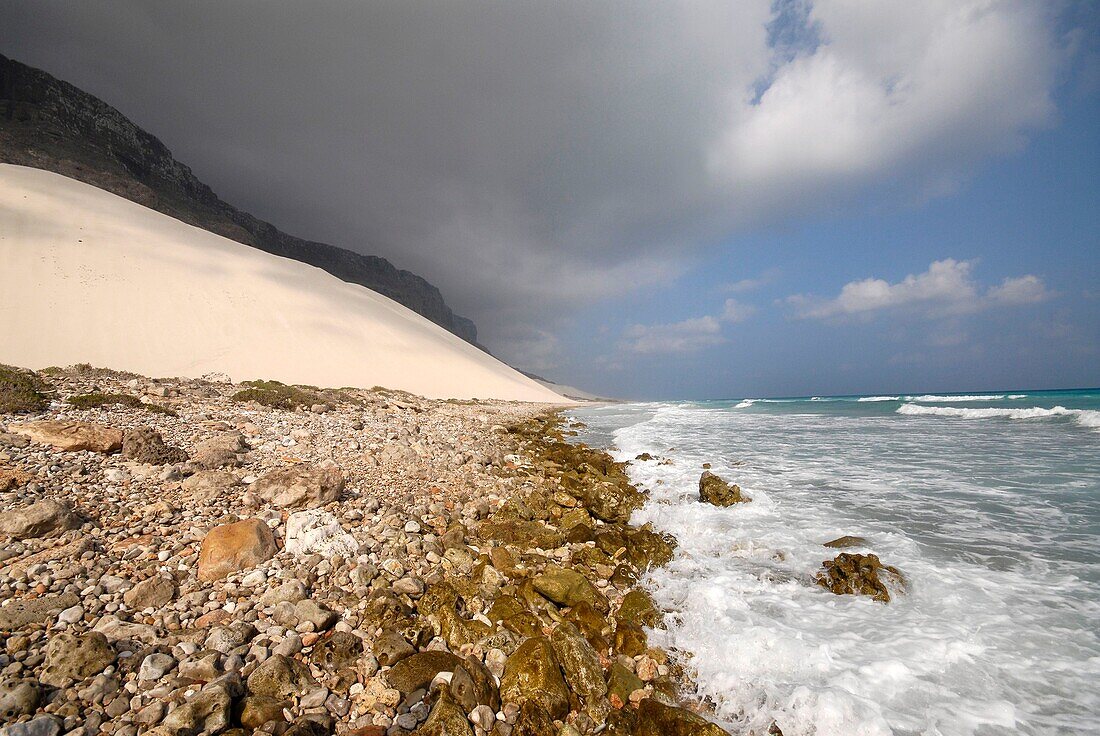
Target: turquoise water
(988, 502)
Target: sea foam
(1084, 417)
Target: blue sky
(1032, 212)
(658, 198)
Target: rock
(219, 452)
(116, 629)
(321, 617)
(657, 719)
(416, 671)
(145, 445)
(300, 486)
(46, 518)
(72, 658)
(472, 685)
(621, 682)
(207, 485)
(281, 677)
(446, 719)
(568, 588)
(18, 698)
(232, 547)
(71, 436)
(714, 490)
(20, 613)
(630, 640)
(40, 726)
(337, 652)
(581, 666)
(154, 592)
(314, 531)
(532, 673)
(205, 712)
(859, 574)
(390, 648)
(156, 666)
(637, 609)
(13, 478)
(225, 639)
(846, 541)
(255, 710)
(290, 591)
(533, 720)
(69, 551)
(646, 548)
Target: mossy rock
(22, 391)
(630, 640)
(637, 609)
(858, 574)
(657, 719)
(646, 548)
(533, 720)
(446, 719)
(620, 683)
(418, 670)
(521, 532)
(581, 666)
(568, 588)
(715, 491)
(532, 673)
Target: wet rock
(18, 698)
(532, 673)
(472, 685)
(281, 677)
(630, 640)
(581, 666)
(46, 518)
(205, 712)
(621, 682)
(154, 592)
(232, 547)
(533, 720)
(70, 436)
(521, 532)
(714, 490)
(71, 658)
(416, 671)
(646, 548)
(254, 711)
(637, 609)
(300, 486)
(314, 531)
(145, 445)
(568, 588)
(860, 575)
(446, 719)
(846, 541)
(657, 719)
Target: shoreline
(316, 570)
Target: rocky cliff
(50, 124)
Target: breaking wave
(1084, 417)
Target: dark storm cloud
(530, 156)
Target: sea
(988, 503)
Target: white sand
(86, 276)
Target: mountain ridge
(50, 124)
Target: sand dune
(90, 277)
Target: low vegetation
(278, 395)
(22, 391)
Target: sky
(658, 200)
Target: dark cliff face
(52, 125)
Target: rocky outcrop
(859, 575)
(49, 124)
(300, 486)
(71, 436)
(145, 445)
(714, 490)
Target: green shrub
(158, 409)
(277, 395)
(22, 391)
(91, 401)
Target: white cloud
(678, 337)
(946, 288)
(746, 285)
(735, 311)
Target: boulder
(254, 711)
(24, 612)
(337, 652)
(581, 665)
(41, 726)
(569, 588)
(207, 485)
(621, 682)
(657, 719)
(71, 658)
(418, 670)
(71, 436)
(145, 445)
(219, 452)
(472, 685)
(637, 609)
(446, 719)
(314, 531)
(45, 518)
(300, 486)
(532, 673)
(18, 698)
(390, 647)
(714, 490)
(154, 592)
(13, 478)
(846, 541)
(205, 712)
(281, 677)
(859, 575)
(533, 720)
(232, 547)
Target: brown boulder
(232, 547)
(859, 575)
(300, 486)
(145, 445)
(46, 518)
(532, 673)
(657, 719)
(714, 490)
(71, 436)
